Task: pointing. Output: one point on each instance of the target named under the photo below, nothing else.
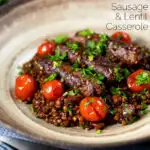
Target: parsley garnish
(69, 110)
(72, 92)
(51, 77)
(95, 48)
(143, 78)
(56, 64)
(100, 76)
(126, 72)
(112, 111)
(98, 131)
(89, 102)
(102, 44)
(90, 57)
(58, 55)
(118, 75)
(86, 32)
(144, 106)
(73, 46)
(20, 70)
(117, 91)
(20, 73)
(91, 44)
(61, 39)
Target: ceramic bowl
(22, 28)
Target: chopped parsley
(112, 111)
(58, 55)
(118, 74)
(91, 44)
(144, 92)
(78, 59)
(102, 44)
(56, 64)
(126, 72)
(89, 71)
(75, 65)
(20, 70)
(95, 48)
(74, 46)
(69, 110)
(72, 92)
(144, 106)
(51, 77)
(89, 102)
(100, 76)
(61, 39)
(98, 131)
(143, 78)
(20, 73)
(90, 57)
(117, 91)
(86, 32)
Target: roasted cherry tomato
(93, 109)
(122, 36)
(25, 87)
(48, 47)
(133, 79)
(52, 90)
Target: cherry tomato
(25, 87)
(52, 90)
(93, 109)
(46, 48)
(122, 36)
(132, 79)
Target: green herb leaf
(91, 44)
(90, 57)
(89, 102)
(75, 65)
(58, 56)
(72, 92)
(100, 76)
(126, 72)
(143, 78)
(95, 48)
(69, 110)
(116, 91)
(73, 46)
(56, 64)
(118, 75)
(112, 111)
(51, 77)
(61, 39)
(144, 106)
(98, 131)
(86, 32)
(20, 73)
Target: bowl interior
(26, 27)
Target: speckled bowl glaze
(22, 28)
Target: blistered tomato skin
(48, 47)
(52, 90)
(131, 82)
(93, 109)
(25, 87)
(122, 36)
